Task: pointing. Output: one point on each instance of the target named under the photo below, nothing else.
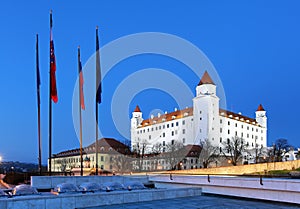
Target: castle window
(242, 126)
(236, 125)
(164, 143)
(168, 125)
(159, 127)
(144, 131)
(172, 133)
(228, 131)
(221, 130)
(164, 149)
(220, 149)
(172, 142)
(176, 132)
(183, 122)
(183, 140)
(256, 130)
(247, 135)
(220, 139)
(248, 128)
(252, 129)
(252, 137)
(164, 126)
(164, 134)
(172, 125)
(152, 129)
(183, 131)
(156, 128)
(200, 118)
(137, 132)
(262, 138)
(102, 158)
(221, 121)
(177, 123)
(236, 133)
(200, 112)
(242, 135)
(262, 131)
(149, 137)
(229, 123)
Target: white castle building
(205, 120)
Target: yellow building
(110, 158)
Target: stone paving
(214, 202)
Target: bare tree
(63, 164)
(174, 153)
(122, 163)
(156, 151)
(234, 149)
(280, 147)
(139, 151)
(209, 153)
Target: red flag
(53, 90)
(81, 81)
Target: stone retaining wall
(244, 169)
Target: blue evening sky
(254, 46)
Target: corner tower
(261, 116)
(137, 117)
(206, 111)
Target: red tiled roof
(230, 114)
(168, 117)
(260, 108)
(104, 146)
(206, 79)
(189, 112)
(137, 109)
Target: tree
(174, 153)
(234, 149)
(139, 151)
(209, 153)
(280, 147)
(122, 163)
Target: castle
(204, 121)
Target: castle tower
(261, 119)
(261, 116)
(136, 120)
(136, 117)
(206, 111)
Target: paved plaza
(214, 202)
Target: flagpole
(52, 91)
(80, 117)
(50, 104)
(98, 94)
(38, 105)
